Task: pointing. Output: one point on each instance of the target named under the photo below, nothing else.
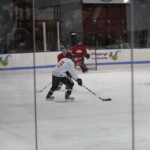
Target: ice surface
(85, 124)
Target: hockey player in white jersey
(64, 72)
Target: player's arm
(71, 70)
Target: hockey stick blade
(39, 91)
(105, 99)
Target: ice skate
(67, 97)
(49, 96)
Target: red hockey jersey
(80, 51)
(61, 55)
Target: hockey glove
(87, 56)
(79, 81)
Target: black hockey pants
(65, 80)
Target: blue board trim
(52, 66)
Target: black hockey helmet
(72, 56)
(63, 49)
(79, 43)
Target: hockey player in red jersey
(64, 72)
(64, 54)
(81, 52)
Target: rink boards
(49, 59)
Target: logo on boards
(114, 56)
(4, 62)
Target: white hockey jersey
(64, 65)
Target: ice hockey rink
(87, 123)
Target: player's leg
(55, 84)
(69, 84)
(82, 65)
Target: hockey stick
(103, 99)
(39, 91)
